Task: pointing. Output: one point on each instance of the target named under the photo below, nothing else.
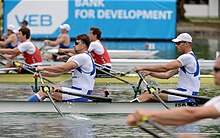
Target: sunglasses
(216, 69)
(178, 43)
(76, 43)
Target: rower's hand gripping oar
(200, 99)
(145, 120)
(46, 89)
(151, 89)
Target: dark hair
(96, 31)
(25, 31)
(84, 38)
(25, 22)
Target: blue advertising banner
(118, 19)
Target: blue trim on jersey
(78, 99)
(76, 88)
(33, 98)
(197, 67)
(93, 65)
(188, 99)
(64, 46)
(9, 45)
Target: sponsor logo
(44, 17)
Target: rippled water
(88, 126)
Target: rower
(182, 115)
(29, 51)
(10, 40)
(83, 74)
(186, 66)
(97, 50)
(63, 40)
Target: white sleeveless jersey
(189, 73)
(83, 77)
(214, 101)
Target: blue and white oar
(47, 90)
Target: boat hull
(84, 107)
(140, 54)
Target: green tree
(180, 10)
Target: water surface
(89, 126)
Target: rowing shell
(81, 107)
(141, 54)
(132, 78)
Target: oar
(98, 68)
(143, 127)
(47, 90)
(43, 47)
(6, 69)
(117, 72)
(155, 125)
(173, 92)
(91, 97)
(27, 69)
(2, 63)
(35, 88)
(152, 90)
(136, 89)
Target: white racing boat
(81, 107)
(128, 64)
(132, 53)
(123, 53)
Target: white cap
(65, 26)
(183, 37)
(11, 27)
